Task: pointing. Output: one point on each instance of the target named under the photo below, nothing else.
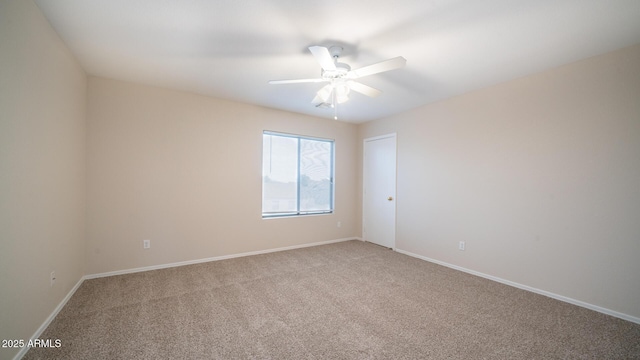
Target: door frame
(395, 190)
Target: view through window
(297, 175)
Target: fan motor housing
(341, 68)
(341, 71)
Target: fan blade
(386, 65)
(323, 57)
(364, 89)
(296, 81)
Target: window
(297, 175)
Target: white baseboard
(48, 321)
(528, 288)
(215, 258)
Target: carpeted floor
(349, 300)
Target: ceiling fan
(341, 78)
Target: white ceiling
(231, 48)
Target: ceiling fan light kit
(341, 78)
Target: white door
(379, 187)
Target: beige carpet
(348, 300)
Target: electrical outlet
(339, 224)
(146, 244)
(53, 278)
(461, 245)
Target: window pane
(315, 175)
(279, 174)
(297, 175)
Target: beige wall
(539, 176)
(184, 171)
(42, 170)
